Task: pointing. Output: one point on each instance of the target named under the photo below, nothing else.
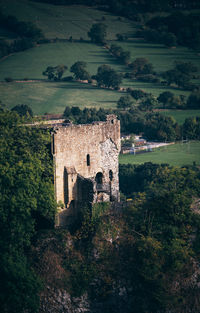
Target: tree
(23, 110)
(191, 128)
(141, 66)
(169, 39)
(193, 101)
(97, 33)
(79, 70)
(165, 97)
(125, 57)
(108, 77)
(55, 72)
(148, 103)
(124, 102)
(162, 128)
(176, 77)
(138, 94)
(186, 68)
(27, 197)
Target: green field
(75, 21)
(64, 21)
(51, 97)
(181, 115)
(32, 62)
(179, 154)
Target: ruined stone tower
(85, 164)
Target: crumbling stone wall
(91, 151)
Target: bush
(8, 79)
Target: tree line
(27, 32)
(27, 206)
(176, 28)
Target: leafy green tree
(159, 127)
(108, 77)
(141, 66)
(165, 97)
(138, 94)
(124, 102)
(169, 39)
(23, 110)
(193, 101)
(191, 128)
(148, 103)
(27, 196)
(97, 33)
(79, 70)
(176, 77)
(55, 72)
(186, 68)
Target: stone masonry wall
(85, 150)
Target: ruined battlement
(90, 152)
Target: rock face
(85, 155)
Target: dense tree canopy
(108, 77)
(27, 197)
(79, 70)
(97, 33)
(55, 72)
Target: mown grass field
(32, 62)
(51, 97)
(64, 21)
(75, 21)
(178, 154)
(181, 115)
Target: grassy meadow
(178, 154)
(181, 115)
(51, 97)
(63, 22)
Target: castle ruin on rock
(85, 165)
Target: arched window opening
(111, 175)
(88, 160)
(99, 178)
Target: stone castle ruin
(85, 165)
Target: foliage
(138, 94)
(163, 128)
(141, 66)
(169, 100)
(124, 102)
(79, 70)
(23, 110)
(55, 72)
(19, 285)
(22, 29)
(143, 249)
(27, 204)
(193, 101)
(184, 27)
(120, 54)
(191, 128)
(97, 33)
(148, 103)
(108, 77)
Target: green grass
(64, 21)
(179, 154)
(75, 21)
(32, 62)
(53, 97)
(181, 115)
(161, 57)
